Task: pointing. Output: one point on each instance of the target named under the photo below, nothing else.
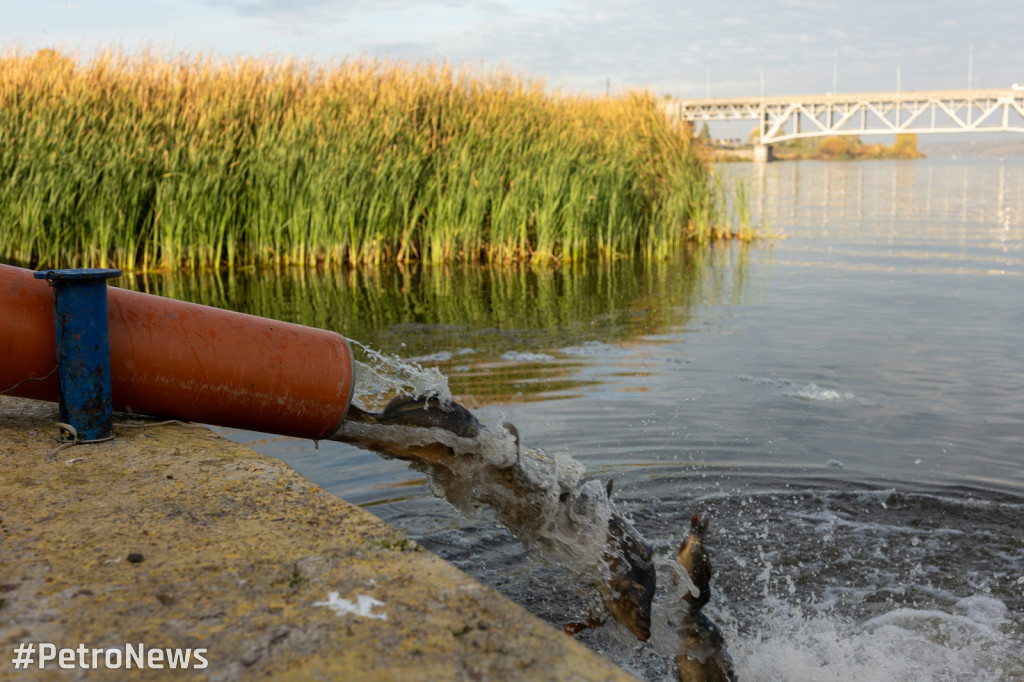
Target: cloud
(663, 44)
(581, 44)
(310, 10)
(290, 16)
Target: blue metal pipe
(83, 350)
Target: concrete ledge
(230, 552)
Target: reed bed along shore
(148, 162)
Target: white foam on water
(854, 585)
(590, 348)
(439, 356)
(809, 391)
(967, 642)
(526, 356)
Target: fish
(628, 593)
(633, 578)
(701, 654)
(545, 501)
(694, 559)
(422, 412)
(418, 429)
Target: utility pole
(835, 73)
(970, 77)
(970, 67)
(899, 89)
(762, 119)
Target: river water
(845, 401)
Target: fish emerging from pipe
(544, 500)
(421, 413)
(701, 655)
(629, 591)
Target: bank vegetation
(847, 147)
(149, 162)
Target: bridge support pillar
(763, 153)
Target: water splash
(799, 643)
(379, 377)
(563, 518)
(542, 499)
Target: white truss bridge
(794, 117)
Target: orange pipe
(186, 361)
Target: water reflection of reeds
(465, 318)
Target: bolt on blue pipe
(83, 350)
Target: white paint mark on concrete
(363, 607)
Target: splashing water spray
(379, 376)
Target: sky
(676, 47)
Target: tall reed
(150, 162)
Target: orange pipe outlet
(186, 361)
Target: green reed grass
(147, 162)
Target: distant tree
(906, 147)
(840, 147)
(705, 134)
(846, 147)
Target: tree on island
(848, 147)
